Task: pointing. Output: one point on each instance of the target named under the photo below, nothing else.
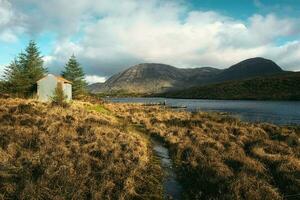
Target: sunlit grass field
(79, 152)
(91, 151)
(220, 157)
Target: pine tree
(23, 73)
(2, 87)
(73, 72)
(32, 63)
(15, 79)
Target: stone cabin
(46, 87)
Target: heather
(220, 157)
(97, 150)
(77, 152)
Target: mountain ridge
(151, 78)
(249, 68)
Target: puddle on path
(172, 188)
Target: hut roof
(59, 78)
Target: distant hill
(249, 68)
(277, 87)
(153, 78)
(95, 87)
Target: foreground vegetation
(91, 151)
(78, 152)
(279, 87)
(219, 157)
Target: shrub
(59, 98)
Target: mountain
(154, 78)
(285, 86)
(158, 78)
(249, 68)
(95, 87)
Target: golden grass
(219, 157)
(88, 151)
(80, 152)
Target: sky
(108, 36)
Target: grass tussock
(79, 152)
(219, 157)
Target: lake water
(278, 112)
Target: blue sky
(109, 36)
(242, 9)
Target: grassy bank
(219, 157)
(80, 152)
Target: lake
(277, 112)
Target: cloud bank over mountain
(108, 36)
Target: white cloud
(5, 12)
(48, 60)
(205, 38)
(95, 79)
(64, 49)
(11, 23)
(287, 55)
(112, 35)
(8, 36)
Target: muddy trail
(171, 187)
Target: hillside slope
(278, 87)
(249, 68)
(153, 78)
(156, 78)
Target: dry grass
(86, 152)
(80, 152)
(219, 157)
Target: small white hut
(46, 87)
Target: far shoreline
(254, 111)
(186, 98)
(108, 95)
